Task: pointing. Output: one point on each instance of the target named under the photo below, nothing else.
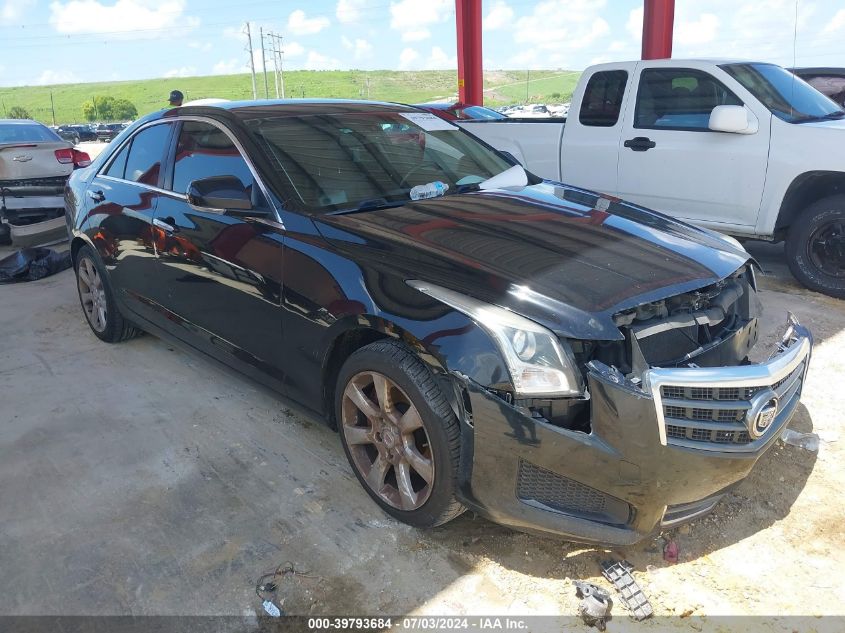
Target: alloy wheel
(387, 441)
(92, 293)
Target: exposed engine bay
(708, 327)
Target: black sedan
(554, 359)
(107, 131)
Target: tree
(109, 109)
(17, 112)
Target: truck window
(602, 100)
(679, 99)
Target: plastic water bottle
(429, 190)
(807, 441)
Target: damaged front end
(32, 211)
(671, 417)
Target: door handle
(96, 196)
(640, 143)
(165, 226)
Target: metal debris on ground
(267, 585)
(595, 604)
(619, 573)
(807, 441)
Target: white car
(35, 163)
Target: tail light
(80, 159)
(64, 155)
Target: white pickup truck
(743, 148)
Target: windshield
(347, 161)
(788, 97)
(26, 132)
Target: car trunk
(23, 161)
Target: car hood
(565, 257)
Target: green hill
(501, 87)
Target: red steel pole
(470, 72)
(658, 23)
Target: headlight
(539, 364)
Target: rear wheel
(400, 435)
(97, 299)
(815, 246)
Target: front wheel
(815, 246)
(399, 434)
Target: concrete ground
(142, 479)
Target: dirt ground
(141, 479)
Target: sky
(63, 41)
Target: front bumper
(29, 210)
(658, 454)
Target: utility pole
(264, 63)
(527, 80)
(272, 37)
(279, 55)
(368, 87)
(251, 59)
(96, 113)
(52, 108)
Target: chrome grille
(722, 409)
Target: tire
(106, 323)
(803, 253)
(385, 437)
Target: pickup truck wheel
(815, 246)
(97, 299)
(400, 435)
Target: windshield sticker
(427, 121)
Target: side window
(603, 98)
(118, 165)
(679, 98)
(146, 154)
(203, 151)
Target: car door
(670, 160)
(219, 271)
(121, 200)
(590, 147)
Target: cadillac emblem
(763, 411)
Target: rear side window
(679, 99)
(602, 101)
(146, 155)
(118, 165)
(203, 151)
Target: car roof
(19, 122)
(291, 107)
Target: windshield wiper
(831, 116)
(373, 204)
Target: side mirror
(219, 192)
(733, 119)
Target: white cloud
(412, 17)
(560, 27)
(634, 25)
(361, 48)
(836, 23)
(228, 67)
(349, 11)
(234, 33)
(699, 31)
(501, 15)
(292, 49)
(182, 71)
(439, 60)
(200, 46)
(408, 58)
(49, 77)
(417, 35)
(132, 17)
(11, 10)
(299, 24)
(318, 61)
